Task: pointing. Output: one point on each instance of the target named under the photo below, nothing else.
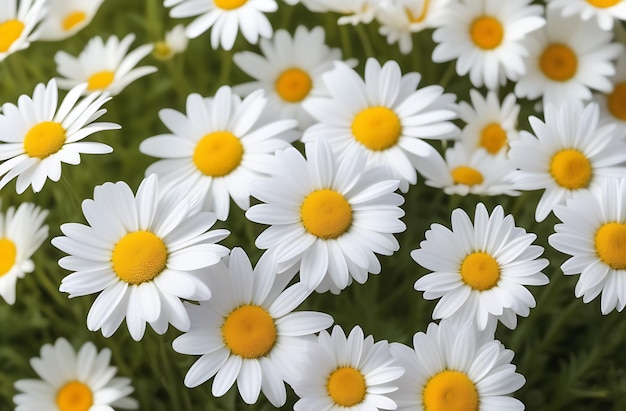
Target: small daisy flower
(352, 373)
(72, 381)
(218, 149)
(480, 270)
(175, 42)
(383, 115)
(36, 136)
(225, 18)
(141, 254)
(247, 331)
(21, 233)
(351, 11)
(454, 367)
(17, 24)
(569, 152)
(605, 11)
(613, 104)
(103, 66)
(327, 217)
(485, 37)
(65, 18)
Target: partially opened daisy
(383, 115)
(452, 367)
(64, 18)
(480, 269)
(485, 37)
(327, 217)
(568, 152)
(104, 66)
(175, 42)
(352, 373)
(247, 331)
(18, 24)
(74, 381)
(218, 148)
(604, 11)
(22, 231)
(142, 254)
(36, 136)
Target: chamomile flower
(352, 373)
(351, 11)
(21, 233)
(452, 367)
(247, 331)
(175, 42)
(65, 18)
(480, 270)
(104, 66)
(613, 104)
(73, 381)
(225, 18)
(17, 24)
(36, 136)
(605, 11)
(385, 116)
(218, 149)
(485, 37)
(569, 152)
(142, 253)
(327, 217)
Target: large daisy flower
(605, 11)
(247, 331)
(480, 269)
(65, 18)
(218, 149)
(141, 254)
(384, 116)
(17, 24)
(327, 217)
(37, 136)
(72, 381)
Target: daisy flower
(454, 367)
(351, 11)
(567, 58)
(352, 373)
(103, 66)
(613, 104)
(36, 136)
(480, 269)
(569, 152)
(17, 24)
(384, 116)
(218, 149)
(65, 18)
(71, 380)
(21, 233)
(141, 254)
(175, 42)
(225, 18)
(247, 331)
(485, 37)
(605, 11)
(327, 217)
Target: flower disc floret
(249, 332)
(450, 391)
(346, 386)
(74, 396)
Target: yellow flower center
(293, 85)
(217, 154)
(487, 32)
(8, 255)
(100, 80)
(10, 31)
(229, 4)
(420, 17)
(611, 245)
(571, 169)
(467, 175)
(480, 271)
(450, 391)
(346, 386)
(493, 138)
(162, 50)
(377, 128)
(73, 19)
(249, 331)
(616, 101)
(74, 396)
(603, 4)
(558, 62)
(326, 214)
(44, 139)
(139, 257)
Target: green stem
(366, 44)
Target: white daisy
(36, 136)
(225, 18)
(327, 217)
(605, 11)
(65, 18)
(247, 331)
(103, 66)
(351, 11)
(613, 104)
(480, 269)
(218, 149)
(17, 24)
(351, 373)
(141, 254)
(568, 152)
(485, 37)
(454, 367)
(21, 233)
(74, 381)
(384, 116)
(175, 42)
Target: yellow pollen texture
(450, 391)
(293, 85)
(8, 255)
(229, 4)
(558, 62)
(603, 4)
(616, 101)
(571, 169)
(162, 50)
(346, 386)
(100, 80)
(74, 396)
(73, 19)
(467, 175)
(493, 138)
(10, 31)
(326, 214)
(139, 257)
(487, 32)
(377, 128)
(480, 271)
(44, 139)
(249, 331)
(218, 154)
(420, 17)
(611, 245)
